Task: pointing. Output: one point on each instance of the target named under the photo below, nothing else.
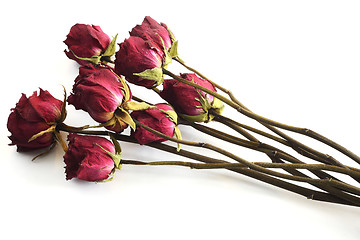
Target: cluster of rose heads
(101, 89)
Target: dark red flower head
(158, 117)
(190, 103)
(98, 91)
(86, 41)
(150, 47)
(151, 30)
(88, 159)
(140, 62)
(31, 116)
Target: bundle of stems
(327, 187)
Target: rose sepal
(154, 74)
(96, 59)
(110, 51)
(136, 106)
(178, 136)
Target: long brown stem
(309, 193)
(274, 153)
(297, 146)
(240, 108)
(329, 185)
(262, 147)
(228, 165)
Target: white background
(296, 62)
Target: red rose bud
(190, 103)
(89, 158)
(151, 30)
(88, 43)
(98, 91)
(160, 117)
(30, 117)
(140, 62)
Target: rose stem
(268, 149)
(350, 171)
(240, 108)
(274, 155)
(258, 118)
(236, 125)
(326, 184)
(297, 146)
(228, 165)
(60, 139)
(256, 146)
(308, 193)
(233, 98)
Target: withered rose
(158, 117)
(140, 62)
(190, 103)
(151, 30)
(98, 91)
(31, 116)
(88, 158)
(86, 41)
(150, 47)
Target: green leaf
(155, 74)
(218, 106)
(110, 122)
(111, 48)
(116, 143)
(178, 136)
(94, 59)
(124, 116)
(198, 118)
(167, 59)
(115, 157)
(173, 52)
(125, 89)
(136, 106)
(172, 37)
(172, 115)
(49, 130)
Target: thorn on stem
(311, 197)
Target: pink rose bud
(31, 116)
(156, 119)
(151, 30)
(98, 91)
(89, 158)
(87, 43)
(140, 62)
(190, 103)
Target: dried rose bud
(98, 91)
(190, 103)
(140, 62)
(88, 43)
(160, 117)
(89, 158)
(151, 30)
(32, 116)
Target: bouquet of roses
(93, 153)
